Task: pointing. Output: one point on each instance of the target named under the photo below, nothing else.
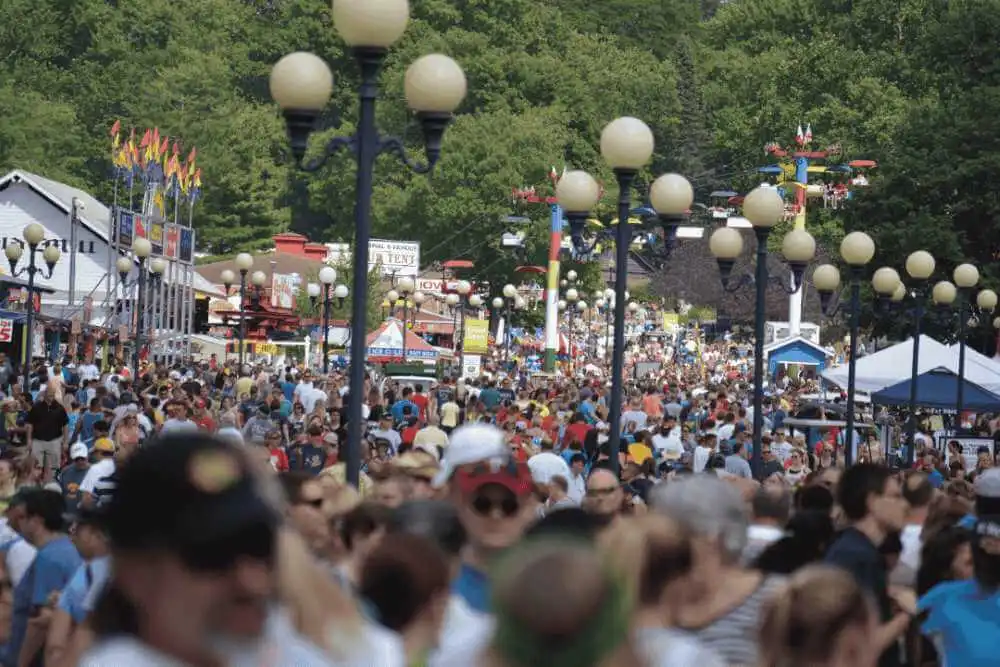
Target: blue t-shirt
(288, 389)
(54, 565)
(963, 621)
(397, 409)
(71, 600)
(473, 586)
(87, 421)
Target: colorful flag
(800, 136)
(809, 133)
(116, 135)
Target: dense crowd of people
(199, 514)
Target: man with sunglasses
(197, 574)
(493, 496)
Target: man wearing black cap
(193, 579)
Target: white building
(80, 281)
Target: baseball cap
(988, 493)
(214, 498)
(472, 443)
(104, 445)
(78, 451)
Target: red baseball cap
(512, 475)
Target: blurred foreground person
(194, 581)
(961, 617)
(725, 599)
(654, 554)
(558, 603)
(822, 619)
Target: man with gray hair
(725, 609)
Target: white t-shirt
(20, 554)
(465, 634)
(98, 483)
(178, 426)
(280, 646)
(726, 431)
(701, 456)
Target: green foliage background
(914, 84)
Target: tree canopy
(909, 83)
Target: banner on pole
(156, 238)
(477, 336)
(186, 249)
(171, 245)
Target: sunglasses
(484, 506)
(603, 492)
(219, 554)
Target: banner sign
(6, 330)
(398, 258)
(139, 227)
(126, 224)
(186, 250)
(170, 246)
(156, 238)
(283, 290)
(970, 445)
(477, 336)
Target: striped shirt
(733, 637)
(100, 481)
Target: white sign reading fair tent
(399, 258)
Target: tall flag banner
(809, 133)
(158, 161)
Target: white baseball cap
(78, 451)
(468, 444)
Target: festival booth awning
(891, 365)
(938, 388)
(386, 344)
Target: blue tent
(938, 388)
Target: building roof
(781, 344)
(95, 215)
(284, 263)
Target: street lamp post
(627, 146)
(141, 248)
(34, 235)
(405, 288)
(857, 250)
(966, 278)
(463, 288)
(301, 83)
(509, 295)
(157, 266)
(764, 208)
(418, 301)
(327, 276)
(243, 262)
(920, 267)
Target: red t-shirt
(421, 402)
(206, 423)
(409, 433)
(576, 432)
(279, 459)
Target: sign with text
(970, 445)
(126, 227)
(186, 250)
(399, 258)
(6, 330)
(477, 336)
(283, 290)
(171, 244)
(156, 238)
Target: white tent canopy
(893, 364)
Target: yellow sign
(671, 320)
(477, 336)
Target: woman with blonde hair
(653, 554)
(823, 618)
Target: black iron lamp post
(327, 276)
(418, 301)
(966, 277)
(301, 83)
(857, 250)
(157, 267)
(141, 248)
(627, 147)
(34, 235)
(244, 262)
(764, 208)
